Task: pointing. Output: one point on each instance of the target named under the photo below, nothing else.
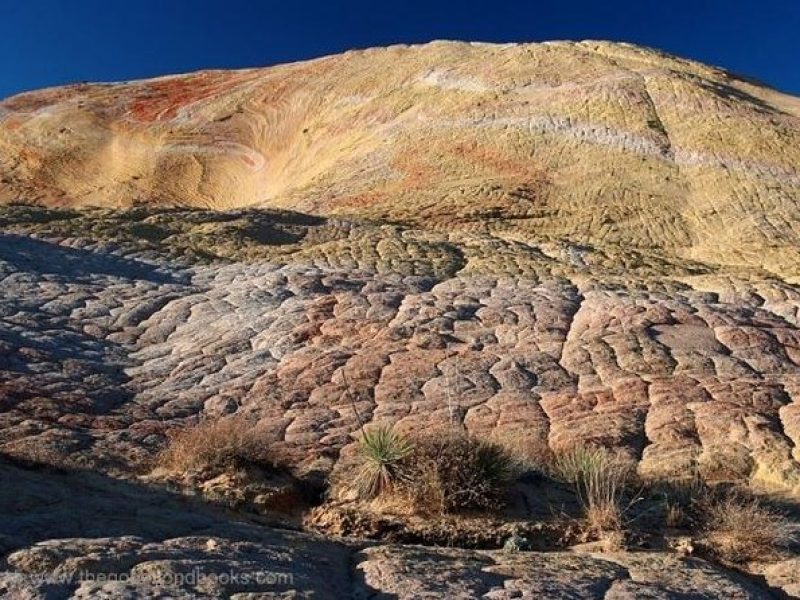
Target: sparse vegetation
(674, 514)
(677, 500)
(571, 465)
(382, 466)
(600, 479)
(214, 444)
(454, 471)
(740, 529)
(733, 525)
(446, 472)
(451, 472)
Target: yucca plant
(381, 466)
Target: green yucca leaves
(383, 452)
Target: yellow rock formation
(609, 145)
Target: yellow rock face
(617, 147)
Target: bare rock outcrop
(600, 143)
(109, 344)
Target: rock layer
(106, 345)
(604, 144)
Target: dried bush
(214, 445)
(677, 500)
(740, 529)
(448, 471)
(453, 471)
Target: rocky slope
(581, 242)
(105, 343)
(604, 144)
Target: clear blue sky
(49, 42)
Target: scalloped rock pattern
(107, 343)
(582, 241)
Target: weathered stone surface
(497, 575)
(65, 531)
(785, 576)
(606, 145)
(107, 348)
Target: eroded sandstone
(109, 344)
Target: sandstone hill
(576, 242)
(602, 144)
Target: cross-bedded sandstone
(593, 142)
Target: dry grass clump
(674, 515)
(529, 449)
(601, 480)
(741, 529)
(454, 471)
(449, 471)
(733, 525)
(214, 445)
(678, 500)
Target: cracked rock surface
(107, 345)
(107, 342)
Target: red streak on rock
(161, 100)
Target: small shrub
(445, 472)
(677, 500)
(530, 450)
(453, 471)
(600, 479)
(572, 465)
(381, 467)
(214, 445)
(740, 529)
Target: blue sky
(50, 42)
